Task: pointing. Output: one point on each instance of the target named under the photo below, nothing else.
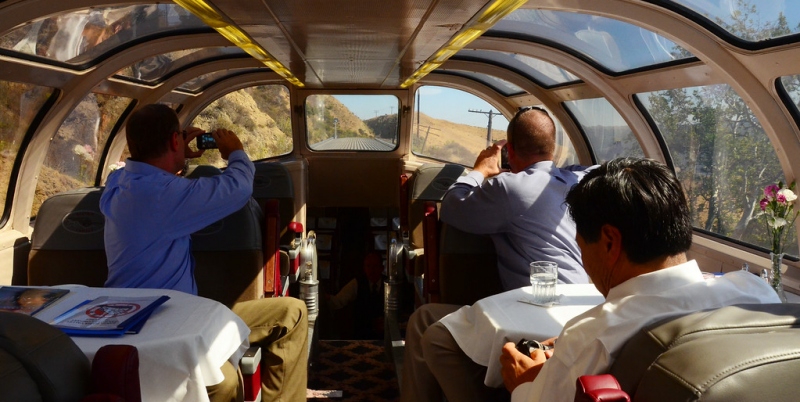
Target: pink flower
(771, 190)
(764, 202)
(781, 198)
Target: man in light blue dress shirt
(151, 213)
(523, 209)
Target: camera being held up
(527, 347)
(206, 141)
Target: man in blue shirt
(523, 211)
(151, 213)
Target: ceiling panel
(366, 43)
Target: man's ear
(176, 142)
(611, 239)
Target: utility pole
(490, 113)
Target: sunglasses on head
(526, 108)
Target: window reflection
(750, 20)
(260, 116)
(352, 122)
(80, 36)
(608, 133)
(21, 104)
(75, 150)
(613, 44)
(544, 73)
(198, 84)
(721, 155)
(497, 84)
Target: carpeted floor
(360, 369)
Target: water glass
(544, 275)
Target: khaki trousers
(280, 327)
(434, 366)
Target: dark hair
(532, 132)
(640, 197)
(149, 130)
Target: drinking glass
(544, 275)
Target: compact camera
(527, 347)
(206, 141)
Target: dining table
(481, 329)
(182, 345)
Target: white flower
(789, 194)
(116, 166)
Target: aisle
(360, 369)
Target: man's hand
(518, 368)
(488, 162)
(191, 134)
(227, 142)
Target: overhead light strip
(211, 17)
(470, 32)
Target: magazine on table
(28, 300)
(108, 315)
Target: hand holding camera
(527, 347)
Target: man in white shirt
(634, 229)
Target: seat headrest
(431, 181)
(70, 221)
(57, 366)
(194, 172)
(272, 180)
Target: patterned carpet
(360, 369)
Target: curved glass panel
(352, 122)
(499, 85)
(544, 73)
(197, 84)
(791, 84)
(608, 133)
(750, 20)
(452, 125)
(612, 44)
(154, 69)
(21, 104)
(260, 116)
(74, 152)
(722, 156)
(80, 36)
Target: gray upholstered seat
(67, 241)
(736, 353)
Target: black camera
(206, 141)
(504, 158)
(527, 347)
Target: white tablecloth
(181, 347)
(482, 329)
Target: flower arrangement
(778, 207)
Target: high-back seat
(735, 353)
(422, 194)
(467, 267)
(67, 244)
(459, 267)
(228, 253)
(273, 181)
(39, 362)
(273, 189)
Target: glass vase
(776, 278)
